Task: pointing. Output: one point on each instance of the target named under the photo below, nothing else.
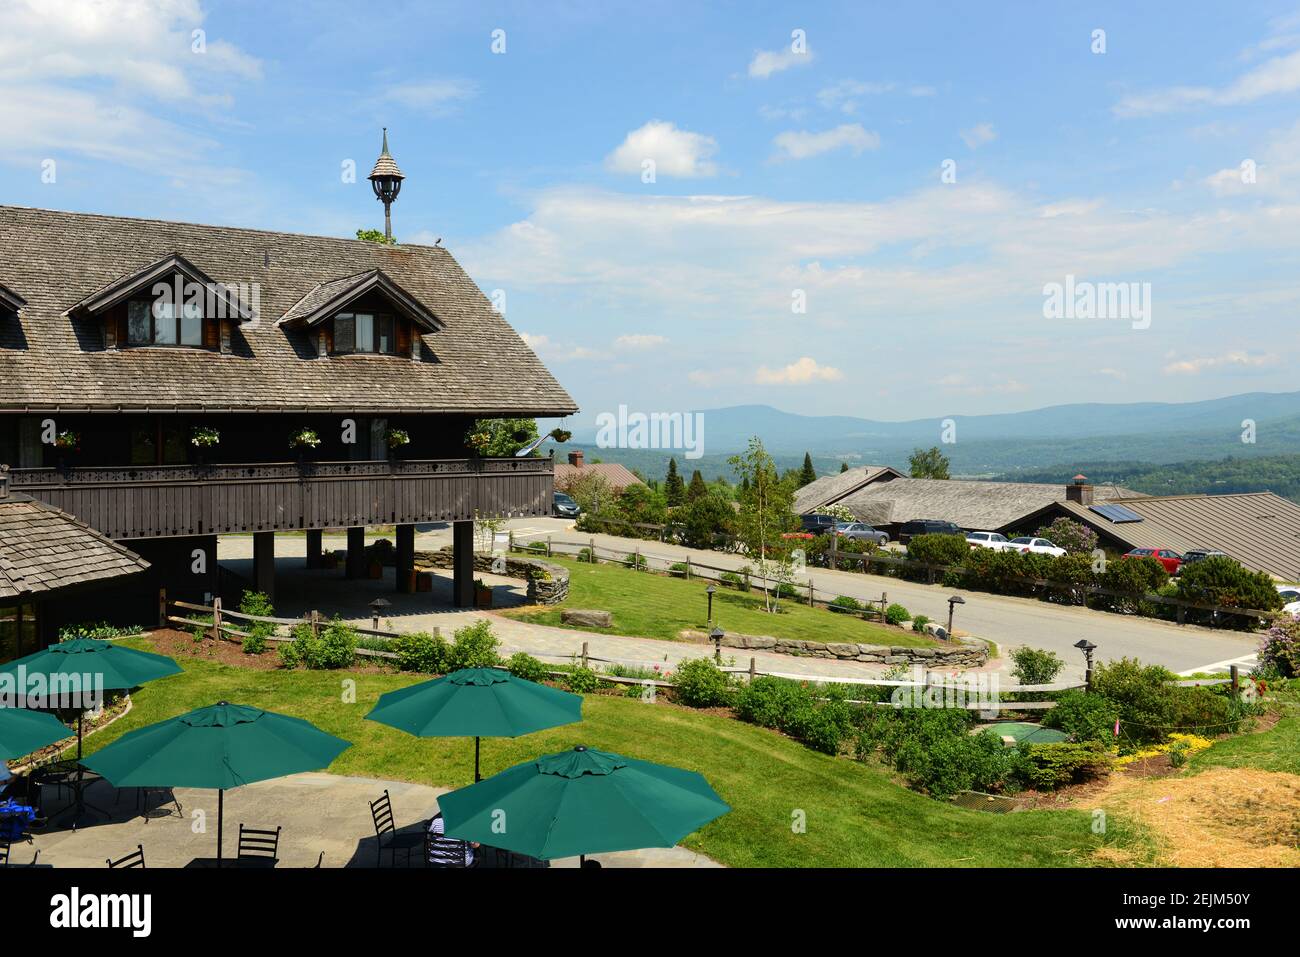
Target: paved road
(1011, 622)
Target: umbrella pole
(221, 807)
(476, 774)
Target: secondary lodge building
(274, 398)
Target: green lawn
(856, 815)
(650, 605)
(1277, 749)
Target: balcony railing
(168, 500)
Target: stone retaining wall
(963, 653)
(548, 584)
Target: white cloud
(963, 385)
(1280, 74)
(978, 135)
(1234, 360)
(1116, 374)
(800, 372)
(767, 62)
(639, 341)
(843, 94)
(549, 350)
(675, 152)
(802, 144)
(431, 97)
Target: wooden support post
(1181, 614)
(315, 542)
(162, 607)
(548, 546)
(1236, 680)
(404, 555)
(584, 654)
(688, 567)
(216, 618)
(636, 558)
(462, 548)
(315, 623)
(810, 593)
(753, 670)
(591, 547)
(510, 545)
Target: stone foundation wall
(963, 653)
(548, 584)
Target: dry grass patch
(1224, 817)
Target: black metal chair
(142, 795)
(258, 848)
(134, 859)
(444, 852)
(387, 836)
(5, 861)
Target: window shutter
(403, 336)
(211, 333)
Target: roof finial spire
(386, 179)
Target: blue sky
(781, 175)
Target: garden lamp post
(716, 634)
(709, 591)
(376, 609)
(952, 603)
(1087, 647)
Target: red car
(1165, 556)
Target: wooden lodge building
(154, 376)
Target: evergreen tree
(674, 487)
(844, 466)
(808, 473)
(928, 463)
(698, 487)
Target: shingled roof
(829, 489)
(50, 361)
(973, 505)
(43, 550)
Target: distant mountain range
(1139, 432)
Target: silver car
(861, 531)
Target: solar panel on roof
(1116, 513)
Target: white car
(1039, 546)
(993, 540)
(1291, 595)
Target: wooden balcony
(171, 500)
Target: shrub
(586, 555)
(1083, 716)
(699, 683)
(334, 647)
(381, 550)
(896, 614)
(422, 652)
(847, 601)
(705, 519)
(635, 562)
(1036, 666)
(1134, 577)
(97, 629)
(582, 680)
(473, 646)
(677, 568)
(734, 580)
(919, 623)
(823, 728)
(771, 702)
(1279, 650)
(1145, 702)
(1075, 537)
(938, 549)
(1072, 574)
(956, 762)
(785, 590)
(1049, 766)
(259, 632)
(525, 666)
(1220, 580)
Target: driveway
(1011, 622)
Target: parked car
(1201, 554)
(1165, 556)
(565, 506)
(818, 524)
(926, 526)
(1037, 546)
(994, 540)
(1291, 595)
(862, 532)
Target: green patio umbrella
(221, 746)
(23, 731)
(581, 802)
(82, 666)
(477, 703)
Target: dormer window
(156, 323)
(366, 332)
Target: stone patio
(318, 813)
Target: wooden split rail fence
(220, 626)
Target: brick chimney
(575, 458)
(1079, 490)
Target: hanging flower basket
(304, 439)
(203, 437)
(397, 438)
